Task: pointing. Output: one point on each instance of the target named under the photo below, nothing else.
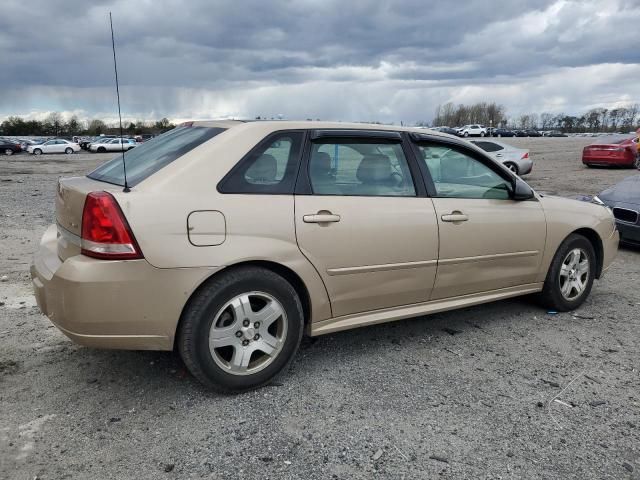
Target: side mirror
(522, 191)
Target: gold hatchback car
(234, 238)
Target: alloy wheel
(574, 274)
(8, 151)
(248, 333)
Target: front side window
(270, 168)
(362, 168)
(456, 174)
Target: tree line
(55, 125)
(617, 119)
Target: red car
(612, 152)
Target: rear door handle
(455, 216)
(321, 218)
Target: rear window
(146, 159)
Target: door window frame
(345, 136)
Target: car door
(488, 241)
(363, 222)
(48, 146)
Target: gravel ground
(504, 390)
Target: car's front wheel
(466, 134)
(37, 151)
(570, 277)
(68, 150)
(241, 329)
(101, 150)
(8, 151)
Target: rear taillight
(105, 232)
(525, 155)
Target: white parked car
(473, 131)
(515, 159)
(112, 145)
(57, 145)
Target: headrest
(264, 169)
(374, 168)
(321, 163)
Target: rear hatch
(141, 162)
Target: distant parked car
(515, 159)
(472, 131)
(530, 132)
(113, 145)
(9, 147)
(86, 143)
(554, 133)
(449, 130)
(502, 132)
(56, 145)
(612, 152)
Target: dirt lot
(465, 394)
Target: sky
(346, 60)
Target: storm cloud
(343, 60)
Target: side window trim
(222, 187)
(303, 181)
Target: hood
(627, 191)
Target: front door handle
(455, 216)
(321, 217)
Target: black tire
(68, 150)
(204, 307)
(482, 134)
(101, 149)
(466, 134)
(513, 167)
(37, 151)
(8, 151)
(551, 296)
(499, 135)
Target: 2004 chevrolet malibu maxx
(236, 237)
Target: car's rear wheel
(482, 134)
(499, 135)
(68, 150)
(8, 151)
(37, 151)
(512, 166)
(570, 277)
(241, 329)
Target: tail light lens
(106, 234)
(525, 155)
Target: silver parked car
(515, 159)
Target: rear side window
(270, 168)
(146, 159)
(364, 168)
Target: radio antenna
(115, 68)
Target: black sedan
(9, 147)
(502, 132)
(624, 199)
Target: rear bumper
(111, 304)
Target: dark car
(449, 130)
(532, 133)
(554, 133)
(502, 132)
(624, 199)
(9, 147)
